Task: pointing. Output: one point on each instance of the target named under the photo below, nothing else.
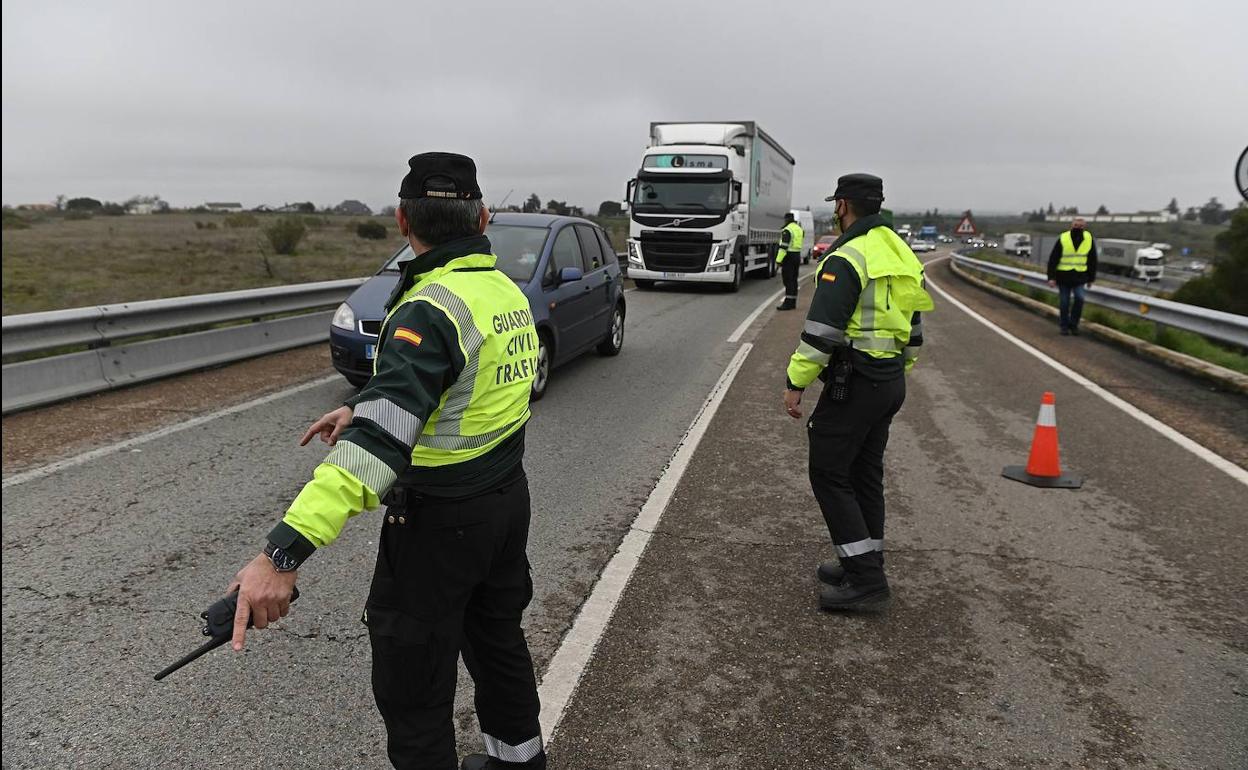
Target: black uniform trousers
(847, 441)
(452, 577)
(788, 273)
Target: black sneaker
(486, 762)
(831, 572)
(848, 596)
(786, 306)
(1065, 332)
(1074, 330)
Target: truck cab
(707, 204)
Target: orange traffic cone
(1044, 465)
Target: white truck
(707, 204)
(1137, 259)
(1018, 244)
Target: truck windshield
(1151, 260)
(517, 247)
(685, 195)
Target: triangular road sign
(966, 226)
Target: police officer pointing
(861, 336)
(437, 434)
(789, 257)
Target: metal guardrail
(178, 338)
(1229, 328)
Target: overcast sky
(998, 106)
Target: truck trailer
(1018, 244)
(707, 204)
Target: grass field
(58, 263)
(61, 263)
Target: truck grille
(675, 252)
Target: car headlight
(634, 253)
(344, 317)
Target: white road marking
(1209, 456)
(70, 462)
(752, 317)
(577, 648)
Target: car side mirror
(570, 274)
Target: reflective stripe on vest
(489, 400)
(1075, 259)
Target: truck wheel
(644, 285)
(738, 268)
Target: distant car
(992, 244)
(922, 245)
(1197, 266)
(944, 238)
(564, 265)
(821, 246)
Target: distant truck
(1018, 244)
(707, 204)
(928, 233)
(1137, 259)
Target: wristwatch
(282, 561)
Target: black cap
(859, 187)
(441, 175)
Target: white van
(806, 221)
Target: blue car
(564, 265)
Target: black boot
(788, 304)
(486, 762)
(848, 596)
(831, 572)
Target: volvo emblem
(678, 222)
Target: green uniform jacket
(886, 345)
(423, 349)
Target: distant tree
(111, 209)
(83, 204)
(557, 207)
(575, 211)
(1190, 215)
(1173, 207)
(60, 203)
(1036, 216)
(532, 205)
(1050, 212)
(610, 209)
(1213, 212)
(1101, 209)
(307, 207)
(1226, 288)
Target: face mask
(836, 217)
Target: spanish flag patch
(829, 277)
(407, 335)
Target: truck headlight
(344, 317)
(719, 253)
(634, 254)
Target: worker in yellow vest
(789, 257)
(437, 435)
(1072, 269)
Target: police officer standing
(789, 257)
(861, 337)
(438, 435)
(1072, 269)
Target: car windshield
(685, 195)
(517, 247)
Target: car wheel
(356, 380)
(614, 342)
(644, 285)
(542, 379)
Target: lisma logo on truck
(685, 161)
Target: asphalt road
(107, 565)
(1100, 628)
